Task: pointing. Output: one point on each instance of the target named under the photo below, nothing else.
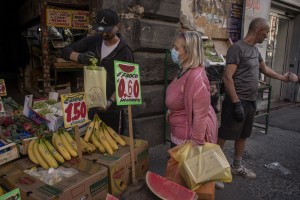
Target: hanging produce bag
(95, 85)
(199, 164)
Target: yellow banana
(52, 141)
(97, 143)
(67, 144)
(30, 152)
(60, 147)
(46, 155)
(84, 146)
(70, 140)
(104, 142)
(53, 152)
(115, 135)
(112, 143)
(96, 120)
(38, 156)
(89, 131)
(92, 147)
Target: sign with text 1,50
(2, 88)
(128, 87)
(74, 109)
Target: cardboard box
(8, 152)
(53, 120)
(222, 45)
(89, 183)
(119, 165)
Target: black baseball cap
(106, 19)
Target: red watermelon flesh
(127, 68)
(167, 189)
(110, 197)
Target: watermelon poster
(128, 87)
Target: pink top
(191, 115)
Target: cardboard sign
(75, 19)
(12, 195)
(2, 88)
(74, 109)
(59, 18)
(2, 111)
(128, 87)
(80, 19)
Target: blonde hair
(194, 48)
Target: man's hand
(84, 58)
(238, 111)
(292, 77)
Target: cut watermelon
(110, 197)
(126, 68)
(167, 189)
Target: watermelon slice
(126, 68)
(110, 197)
(167, 189)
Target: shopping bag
(199, 164)
(95, 87)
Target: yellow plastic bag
(199, 164)
(95, 85)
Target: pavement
(281, 144)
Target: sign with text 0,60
(128, 87)
(74, 109)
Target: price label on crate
(2, 88)
(74, 109)
(127, 79)
(2, 111)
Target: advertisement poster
(74, 109)
(75, 19)
(128, 87)
(252, 10)
(235, 22)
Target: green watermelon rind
(153, 179)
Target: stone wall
(149, 27)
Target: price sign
(74, 109)
(2, 88)
(127, 79)
(2, 111)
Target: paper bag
(95, 87)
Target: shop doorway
(277, 52)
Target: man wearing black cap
(107, 45)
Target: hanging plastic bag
(95, 85)
(199, 164)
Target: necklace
(180, 73)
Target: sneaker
(242, 171)
(219, 185)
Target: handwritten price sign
(127, 79)
(2, 88)
(74, 109)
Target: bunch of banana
(39, 154)
(87, 147)
(64, 144)
(104, 138)
(43, 153)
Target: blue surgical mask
(175, 56)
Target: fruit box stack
(8, 152)
(119, 165)
(89, 183)
(53, 119)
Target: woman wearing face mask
(190, 115)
